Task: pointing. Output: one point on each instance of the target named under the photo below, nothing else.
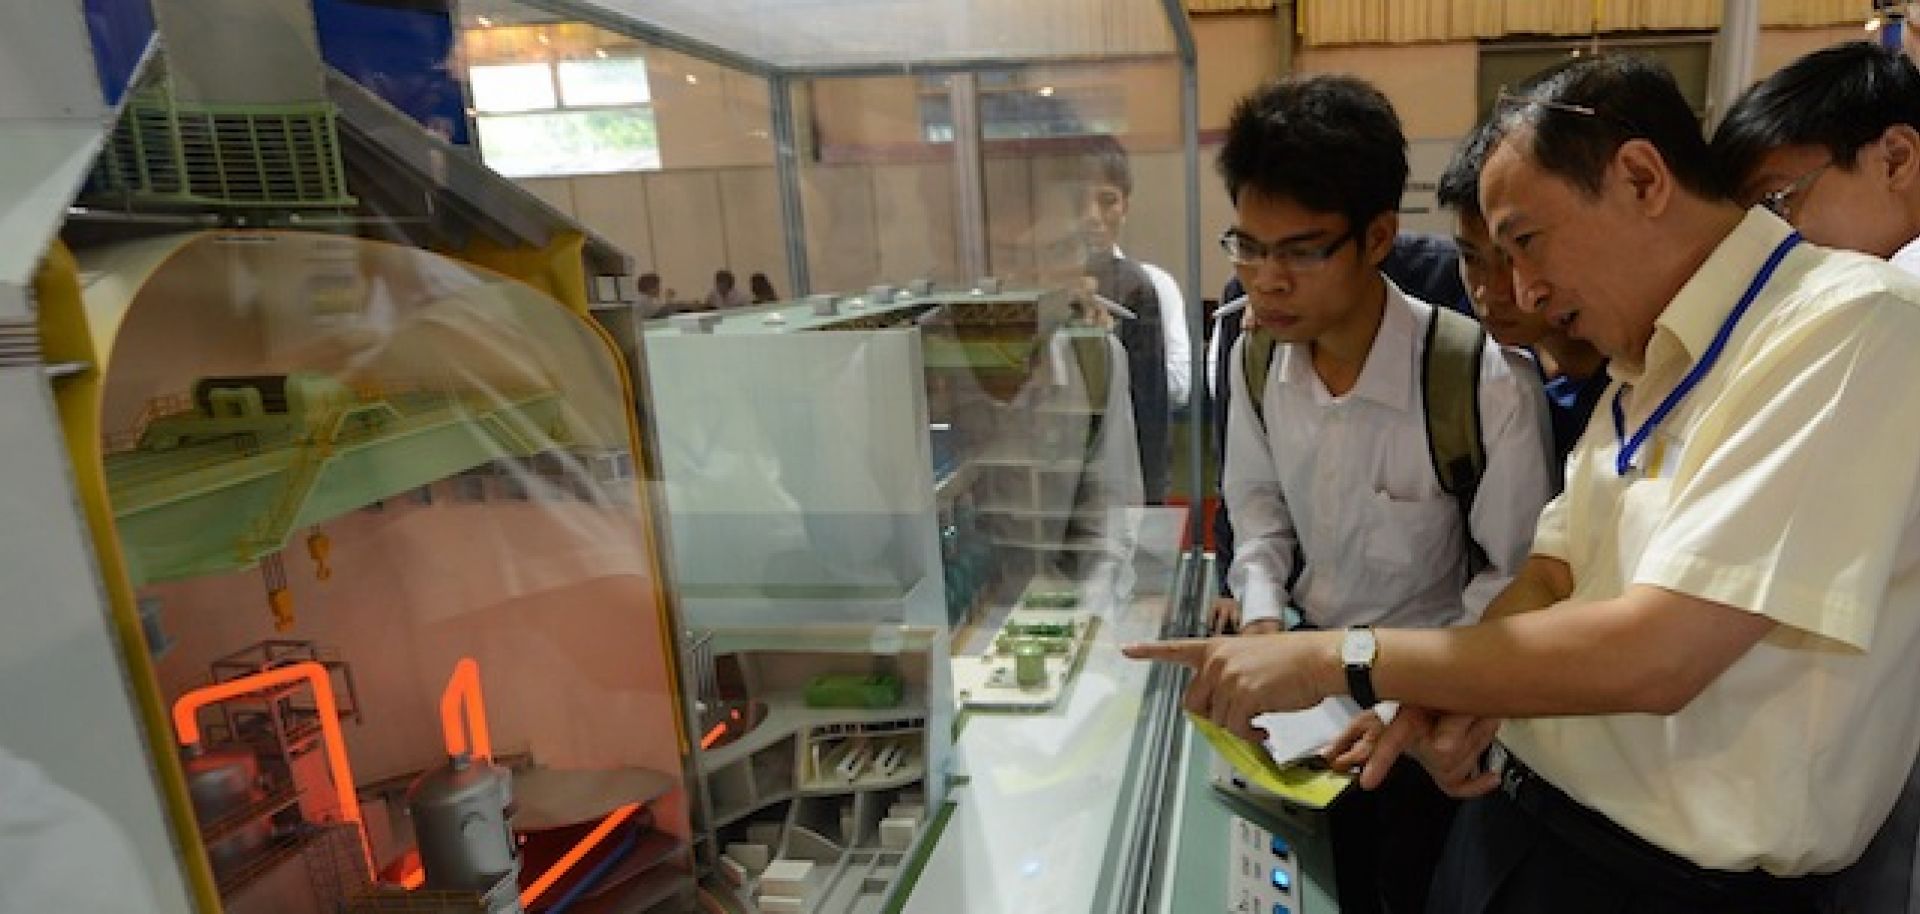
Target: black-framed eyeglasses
(1245, 250)
(1780, 201)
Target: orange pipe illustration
(186, 725)
(587, 844)
(463, 694)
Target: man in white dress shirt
(1830, 144)
(1336, 504)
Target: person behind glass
(1104, 184)
(648, 302)
(1109, 200)
(1333, 470)
(1704, 667)
(726, 294)
(762, 289)
(1831, 143)
(1572, 369)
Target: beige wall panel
(867, 111)
(914, 215)
(1009, 216)
(616, 207)
(708, 115)
(750, 214)
(1431, 85)
(684, 219)
(1779, 47)
(1237, 54)
(842, 249)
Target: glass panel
(380, 512)
(810, 33)
(914, 489)
(512, 87)
(608, 81)
(570, 142)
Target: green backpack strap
(1256, 361)
(1091, 354)
(1450, 391)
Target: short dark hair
(1581, 114)
(649, 281)
(1329, 143)
(1839, 98)
(1105, 160)
(1459, 187)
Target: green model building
(1051, 599)
(854, 690)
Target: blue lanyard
(1623, 462)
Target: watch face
(1358, 647)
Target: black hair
(723, 278)
(1105, 160)
(1839, 98)
(649, 281)
(1459, 187)
(1331, 144)
(1581, 114)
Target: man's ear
(1377, 240)
(1640, 173)
(1902, 145)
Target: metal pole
(1201, 413)
(1732, 56)
(969, 178)
(786, 160)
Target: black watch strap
(1360, 683)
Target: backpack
(1450, 396)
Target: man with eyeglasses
(1707, 666)
(1829, 143)
(1338, 507)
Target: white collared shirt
(1787, 484)
(1350, 482)
(1908, 257)
(1173, 334)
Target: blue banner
(403, 51)
(120, 30)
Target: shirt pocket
(1413, 540)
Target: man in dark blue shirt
(1572, 370)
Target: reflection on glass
(358, 486)
(604, 81)
(512, 87)
(570, 142)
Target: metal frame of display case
(1142, 850)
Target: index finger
(1405, 730)
(1191, 652)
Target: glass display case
(425, 566)
(346, 594)
(916, 504)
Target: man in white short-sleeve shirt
(1708, 662)
(1831, 143)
